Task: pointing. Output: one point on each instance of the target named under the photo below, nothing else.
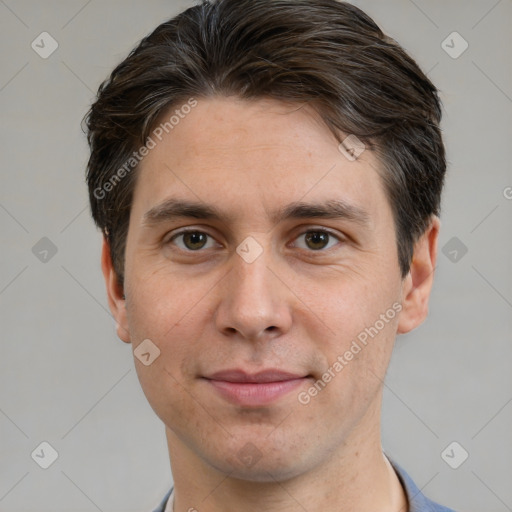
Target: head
(231, 121)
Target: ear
(417, 285)
(115, 294)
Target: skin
(295, 308)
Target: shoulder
(418, 502)
(163, 503)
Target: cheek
(176, 334)
(160, 301)
(357, 365)
(164, 311)
(348, 302)
(362, 318)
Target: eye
(192, 240)
(318, 239)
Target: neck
(356, 478)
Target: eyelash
(315, 230)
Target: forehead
(245, 155)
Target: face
(262, 263)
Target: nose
(255, 304)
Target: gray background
(66, 379)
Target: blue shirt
(417, 501)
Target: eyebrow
(329, 209)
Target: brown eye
(191, 240)
(317, 239)
(194, 241)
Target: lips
(263, 376)
(254, 389)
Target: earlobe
(417, 285)
(115, 294)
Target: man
(267, 177)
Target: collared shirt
(417, 501)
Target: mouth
(253, 390)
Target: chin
(261, 473)
(251, 465)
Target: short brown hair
(326, 53)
